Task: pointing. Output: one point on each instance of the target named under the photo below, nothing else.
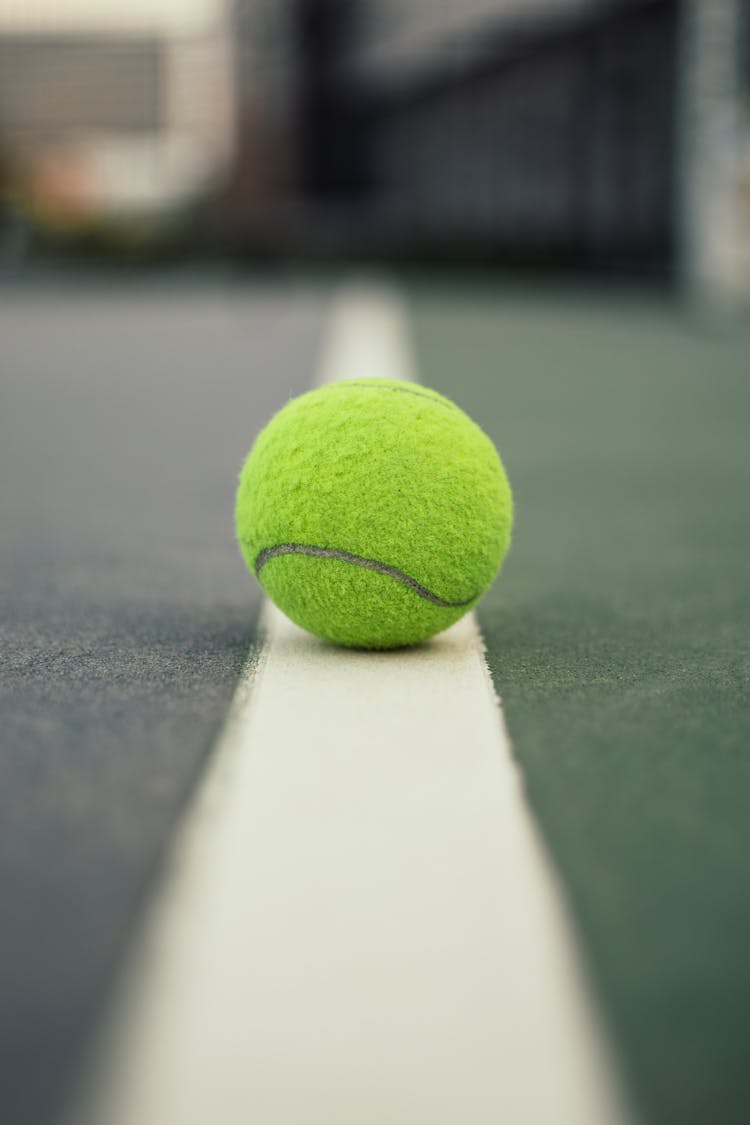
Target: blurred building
(112, 126)
(603, 134)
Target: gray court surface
(125, 615)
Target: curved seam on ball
(356, 560)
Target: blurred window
(56, 85)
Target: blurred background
(607, 135)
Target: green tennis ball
(374, 513)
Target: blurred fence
(606, 133)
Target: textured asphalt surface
(125, 615)
(618, 637)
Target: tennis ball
(374, 513)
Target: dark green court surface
(619, 640)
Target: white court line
(359, 924)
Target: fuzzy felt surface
(374, 513)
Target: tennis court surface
(322, 886)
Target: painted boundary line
(358, 924)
